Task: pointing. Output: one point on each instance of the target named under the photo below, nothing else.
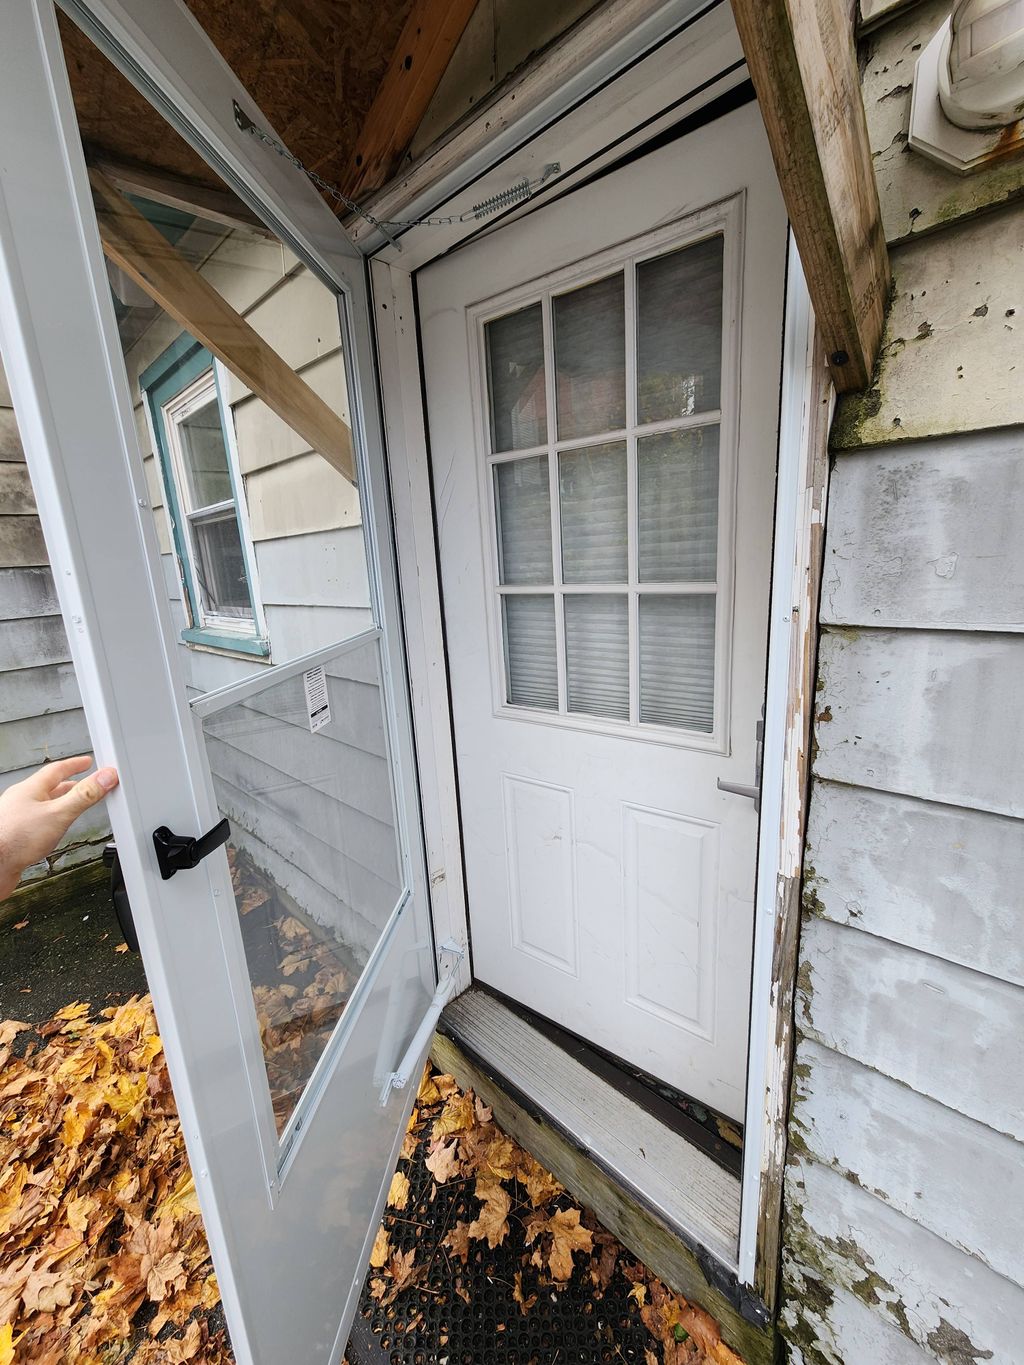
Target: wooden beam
(175, 191)
(134, 244)
(804, 68)
(430, 36)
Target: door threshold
(696, 1123)
(687, 1190)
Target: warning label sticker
(318, 704)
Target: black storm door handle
(175, 852)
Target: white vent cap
(981, 67)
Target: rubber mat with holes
(455, 1314)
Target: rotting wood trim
(802, 62)
(808, 573)
(134, 244)
(421, 56)
(656, 1245)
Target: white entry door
(193, 408)
(602, 385)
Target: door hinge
(176, 852)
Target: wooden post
(430, 36)
(134, 244)
(802, 62)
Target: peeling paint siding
(897, 1270)
(923, 1285)
(952, 1175)
(845, 1332)
(952, 357)
(941, 879)
(901, 1239)
(923, 713)
(939, 1028)
(917, 195)
(928, 534)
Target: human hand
(36, 813)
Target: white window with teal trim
(195, 441)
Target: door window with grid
(605, 413)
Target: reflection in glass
(531, 668)
(679, 332)
(205, 455)
(522, 501)
(677, 661)
(314, 853)
(677, 506)
(597, 654)
(220, 565)
(515, 380)
(592, 498)
(590, 358)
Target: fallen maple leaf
(121, 948)
(22, 924)
(567, 1236)
(6, 1343)
(398, 1194)
(492, 1221)
(457, 1115)
(381, 1249)
(525, 1304)
(443, 1161)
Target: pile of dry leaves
(103, 1257)
(301, 982)
(524, 1210)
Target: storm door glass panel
(597, 654)
(220, 564)
(677, 506)
(677, 661)
(679, 332)
(205, 455)
(515, 380)
(314, 852)
(531, 665)
(590, 358)
(592, 497)
(522, 503)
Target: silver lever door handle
(740, 789)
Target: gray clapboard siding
(295, 631)
(925, 713)
(10, 439)
(21, 542)
(322, 569)
(939, 878)
(356, 718)
(24, 743)
(336, 823)
(928, 534)
(943, 1030)
(954, 1176)
(940, 1296)
(16, 496)
(31, 641)
(27, 592)
(26, 692)
(336, 890)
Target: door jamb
(806, 400)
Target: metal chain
(514, 194)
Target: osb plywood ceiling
(312, 66)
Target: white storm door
(602, 383)
(289, 978)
